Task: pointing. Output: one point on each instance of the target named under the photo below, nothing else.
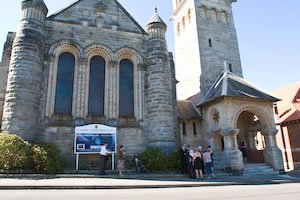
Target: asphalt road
(257, 192)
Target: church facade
(92, 63)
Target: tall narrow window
(194, 128)
(64, 84)
(189, 15)
(183, 129)
(183, 23)
(96, 86)
(178, 29)
(209, 42)
(230, 67)
(126, 101)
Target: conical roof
(156, 18)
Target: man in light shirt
(104, 153)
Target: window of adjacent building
(126, 90)
(64, 84)
(183, 128)
(96, 86)
(194, 128)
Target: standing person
(198, 164)
(244, 151)
(212, 156)
(189, 158)
(121, 159)
(182, 154)
(208, 163)
(104, 153)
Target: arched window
(64, 84)
(126, 101)
(96, 86)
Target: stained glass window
(126, 91)
(64, 84)
(96, 86)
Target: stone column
(251, 140)
(112, 99)
(272, 154)
(233, 159)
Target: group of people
(104, 156)
(193, 162)
(196, 162)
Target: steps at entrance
(258, 169)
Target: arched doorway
(250, 139)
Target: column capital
(82, 61)
(270, 132)
(229, 132)
(112, 63)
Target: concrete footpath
(134, 181)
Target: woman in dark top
(198, 164)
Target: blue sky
(268, 34)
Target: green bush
(50, 160)
(14, 153)
(17, 154)
(156, 160)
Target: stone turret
(160, 108)
(22, 100)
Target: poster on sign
(90, 138)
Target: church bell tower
(205, 43)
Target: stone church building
(92, 63)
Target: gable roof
(72, 13)
(289, 107)
(187, 110)
(231, 85)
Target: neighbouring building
(287, 115)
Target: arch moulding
(263, 117)
(99, 49)
(65, 45)
(128, 53)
